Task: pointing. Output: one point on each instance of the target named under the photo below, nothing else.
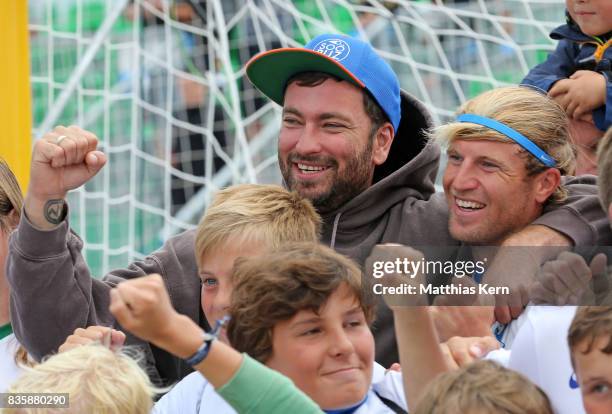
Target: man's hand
(518, 263)
(584, 91)
(111, 338)
(567, 280)
(460, 351)
(62, 160)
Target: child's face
(215, 273)
(328, 355)
(594, 372)
(593, 16)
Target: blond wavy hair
(484, 387)
(96, 379)
(267, 214)
(533, 114)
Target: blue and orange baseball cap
(345, 57)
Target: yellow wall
(15, 94)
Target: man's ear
(546, 184)
(382, 143)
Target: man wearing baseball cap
(355, 145)
(342, 108)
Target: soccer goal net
(162, 84)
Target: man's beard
(356, 178)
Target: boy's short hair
(96, 379)
(256, 213)
(275, 287)
(533, 114)
(483, 387)
(604, 165)
(589, 324)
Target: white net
(162, 84)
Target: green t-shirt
(256, 388)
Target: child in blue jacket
(578, 74)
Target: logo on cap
(336, 49)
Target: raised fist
(62, 160)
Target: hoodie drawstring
(333, 237)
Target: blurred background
(162, 84)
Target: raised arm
(143, 307)
(420, 355)
(52, 291)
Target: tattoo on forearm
(55, 211)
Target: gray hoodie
(53, 293)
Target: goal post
(15, 108)
(162, 84)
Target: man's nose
(465, 178)
(309, 141)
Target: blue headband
(514, 135)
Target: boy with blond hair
(242, 221)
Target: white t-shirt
(194, 394)
(540, 352)
(505, 333)
(9, 371)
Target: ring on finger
(59, 139)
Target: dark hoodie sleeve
(580, 217)
(559, 65)
(52, 292)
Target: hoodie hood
(409, 171)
